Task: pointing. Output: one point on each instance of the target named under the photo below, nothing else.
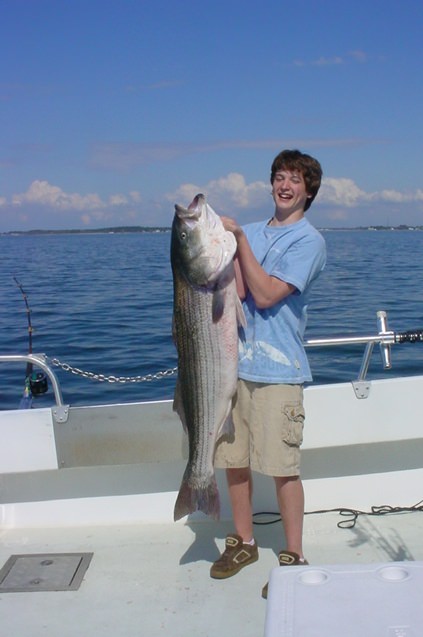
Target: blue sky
(112, 111)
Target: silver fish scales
(206, 315)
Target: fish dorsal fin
(218, 305)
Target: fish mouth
(194, 209)
(197, 201)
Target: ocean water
(102, 303)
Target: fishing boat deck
(153, 579)
(104, 479)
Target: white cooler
(359, 600)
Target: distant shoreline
(117, 230)
(147, 229)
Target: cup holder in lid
(313, 576)
(394, 573)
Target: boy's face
(289, 191)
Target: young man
(276, 262)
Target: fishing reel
(38, 383)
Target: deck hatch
(44, 572)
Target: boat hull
(123, 463)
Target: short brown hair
(309, 167)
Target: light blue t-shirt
(271, 346)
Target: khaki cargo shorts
(268, 422)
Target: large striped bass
(205, 328)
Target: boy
(277, 260)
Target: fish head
(201, 248)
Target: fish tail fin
(191, 499)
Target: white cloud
(135, 196)
(47, 195)
(398, 197)
(340, 200)
(234, 193)
(345, 192)
(234, 189)
(126, 156)
(225, 193)
(323, 61)
(41, 192)
(118, 200)
(341, 191)
(358, 56)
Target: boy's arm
(266, 290)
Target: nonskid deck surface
(153, 580)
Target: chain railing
(103, 378)
(385, 338)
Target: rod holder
(385, 348)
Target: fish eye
(183, 235)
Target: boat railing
(385, 338)
(60, 411)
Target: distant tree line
(113, 230)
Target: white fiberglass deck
(153, 579)
(105, 480)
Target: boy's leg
(240, 486)
(290, 495)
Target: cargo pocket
(293, 415)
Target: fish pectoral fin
(218, 305)
(227, 428)
(179, 407)
(240, 316)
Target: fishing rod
(35, 382)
